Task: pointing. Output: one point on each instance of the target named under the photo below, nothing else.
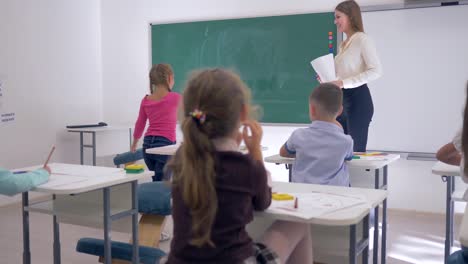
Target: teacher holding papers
(356, 64)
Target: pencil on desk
(296, 205)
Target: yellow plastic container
(282, 196)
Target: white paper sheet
(312, 205)
(324, 66)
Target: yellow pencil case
(135, 167)
(282, 196)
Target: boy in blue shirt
(322, 148)
(11, 183)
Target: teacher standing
(356, 64)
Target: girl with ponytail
(160, 109)
(215, 188)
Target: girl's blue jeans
(156, 162)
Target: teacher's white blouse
(357, 62)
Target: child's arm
(289, 147)
(11, 184)
(139, 127)
(284, 152)
(262, 190)
(449, 154)
(350, 152)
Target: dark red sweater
(241, 185)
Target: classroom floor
(413, 238)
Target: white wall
(430, 91)
(50, 64)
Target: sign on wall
(5, 115)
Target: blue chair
(458, 257)
(120, 251)
(154, 203)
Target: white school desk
(375, 165)
(351, 216)
(448, 173)
(77, 184)
(93, 131)
(171, 149)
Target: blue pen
(19, 172)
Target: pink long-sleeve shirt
(162, 116)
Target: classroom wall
(50, 67)
(75, 62)
(125, 51)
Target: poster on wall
(5, 115)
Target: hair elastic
(198, 115)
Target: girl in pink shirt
(160, 108)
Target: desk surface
(100, 129)
(166, 150)
(84, 178)
(355, 163)
(342, 217)
(171, 149)
(444, 169)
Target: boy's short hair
(328, 98)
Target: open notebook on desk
(315, 204)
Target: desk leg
(107, 222)
(290, 172)
(94, 148)
(57, 259)
(365, 238)
(452, 209)
(81, 148)
(136, 258)
(352, 245)
(130, 137)
(376, 223)
(448, 217)
(26, 250)
(289, 168)
(384, 218)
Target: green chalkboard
(272, 55)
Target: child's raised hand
(239, 137)
(252, 141)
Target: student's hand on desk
(47, 168)
(252, 141)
